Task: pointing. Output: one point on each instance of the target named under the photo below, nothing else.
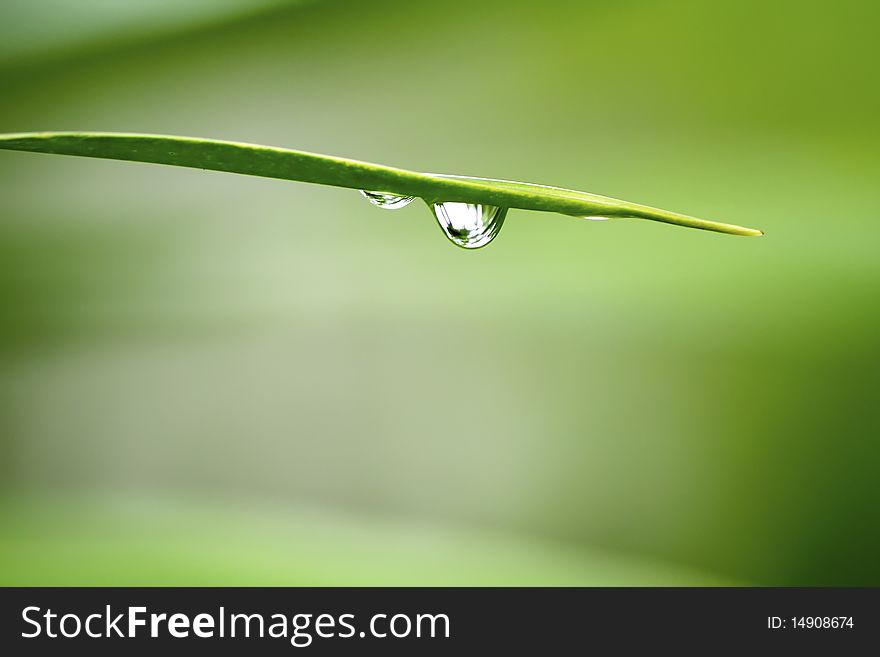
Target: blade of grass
(301, 166)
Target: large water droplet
(387, 201)
(467, 225)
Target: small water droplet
(387, 201)
(597, 218)
(468, 225)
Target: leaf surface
(270, 162)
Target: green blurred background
(215, 379)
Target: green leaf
(287, 164)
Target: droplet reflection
(467, 225)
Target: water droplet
(387, 201)
(590, 217)
(467, 225)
